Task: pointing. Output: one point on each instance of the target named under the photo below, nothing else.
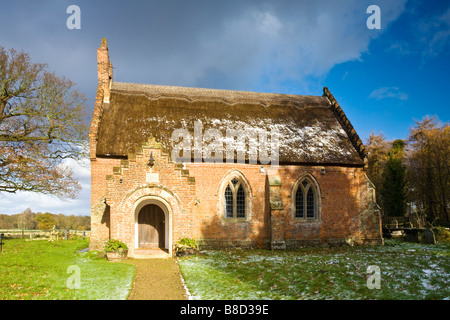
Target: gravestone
(428, 237)
(52, 233)
(412, 235)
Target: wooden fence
(44, 234)
(402, 222)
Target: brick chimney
(105, 74)
(104, 68)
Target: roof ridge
(179, 90)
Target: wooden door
(151, 227)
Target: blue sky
(383, 79)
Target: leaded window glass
(240, 203)
(310, 205)
(235, 199)
(305, 200)
(299, 213)
(229, 202)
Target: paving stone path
(157, 279)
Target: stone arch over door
(160, 197)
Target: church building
(226, 168)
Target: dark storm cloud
(241, 45)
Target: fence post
(1, 242)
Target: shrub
(185, 243)
(115, 245)
(442, 234)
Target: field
(43, 270)
(407, 272)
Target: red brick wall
(340, 207)
(211, 223)
(196, 207)
(100, 221)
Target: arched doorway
(151, 227)
(160, 198)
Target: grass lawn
(407, 271)
(50, 271)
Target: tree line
(412, 176)
(29, 220)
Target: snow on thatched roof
(311, 129)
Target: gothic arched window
(235, 199)
(306, 200)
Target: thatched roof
(310, 130)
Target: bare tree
(378, 149)
(378, 154)
(429, 169)
(43, 120)
(25, 220)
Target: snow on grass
(408, 271)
